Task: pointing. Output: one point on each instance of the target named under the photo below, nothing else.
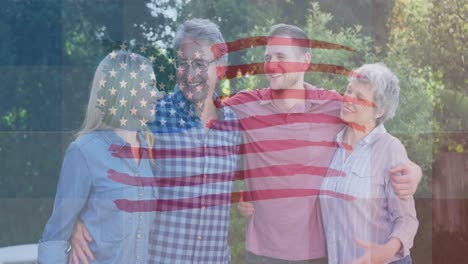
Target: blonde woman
(113, 142)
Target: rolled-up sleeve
(402, 212)
(72, 193)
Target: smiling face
(358, 105)
(285, 66)
(196, 70)
(126, 91)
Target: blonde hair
(97, 117)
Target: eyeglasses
(196, 64)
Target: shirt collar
(368, 139)
(178, 96)
(118, 143)
(266, 97)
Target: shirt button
(138, 257)
(138, 236)
(137, 174)
(140, 194)
(140, 216)
(199, 237)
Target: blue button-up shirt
(86, 191)
(207, 159)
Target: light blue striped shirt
(362, 204)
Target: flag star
(162, 86)
(133, 56)
(133, 110)
(153, 93)
(143, 67)
(133, 92)
(179, 53)
(123, 102)
(112, 72)
(123, 46)
(181, 104)
(190, 78)
(102, 82)
(113, 110)
(197, 54)
(101, 101)
(170, 60)
(143, 121)
(189, 95)
(181, 86)
(191, 113)
(199, 88)
(113, 55)
(163, 122)
(142, 49)
(152, 76)
(153, 112)
(123, 84)
(152, 59)
(133, 74)
(181, 122)
(162, 103)
(171, 77)
(123, 121)
(143, 84)
(172, 112)
(199, 105)
(113, 91)
(143, 102)
(180, 70)
(198, 71)
(123, 65)
(161, 68)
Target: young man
(300, 121)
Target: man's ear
(308, 57)
(220, 71)
(307, 60)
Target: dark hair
(290, 31)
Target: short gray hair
(202, 30)
(385, 84)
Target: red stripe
(219, 199)
(235, 71)
(124, 152)
(219, 50)
(308, 95)
(288, 170)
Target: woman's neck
(352, 136)
(128, 136)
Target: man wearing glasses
(196, 154)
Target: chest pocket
(366, 182)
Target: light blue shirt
(362, 203)
(86, 192)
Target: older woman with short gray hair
(364, 220)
